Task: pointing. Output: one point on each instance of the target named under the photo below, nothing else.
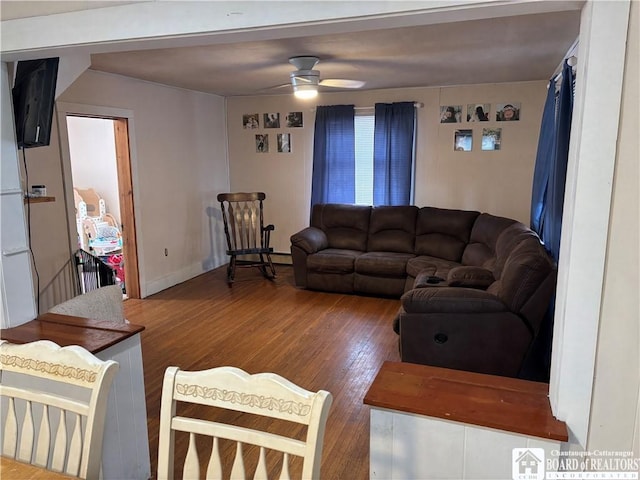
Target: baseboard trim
(281, 258)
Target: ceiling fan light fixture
(305, 91)
(305, 83)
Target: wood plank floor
(318, 340)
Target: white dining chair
(54, 405)
(262, 394)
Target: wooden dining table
(11, 469)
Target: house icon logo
(528, 463)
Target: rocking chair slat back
(246, 234)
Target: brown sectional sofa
(473, 287)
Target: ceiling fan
(305, 80)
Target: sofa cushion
(332, 260)
(451, 300)
(426, 279)
(392, 229)
(507, 241)
(470, 277)
(443, 233)
(384, 264)
(524, 272)
(433, 265)
(384, 286)
(346, 226)
(481, 249)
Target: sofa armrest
(451, 300)
(491, 343)
(470, 277)
(310, 240)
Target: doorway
(102, 191)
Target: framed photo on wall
(451, 114)
(478, 112)
(284, 142)
(491, 138)
(271, 120)
(262, 143)
(294, 119)
(250, 121)
(463, 140)
(507, 112)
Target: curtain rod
(416, 105)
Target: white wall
(181, 165)
(617, 367)
(476, 180)
(93, 159)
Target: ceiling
(494, 50)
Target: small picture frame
(508, 112)
(262, 143)
(271, 120)
(284, 142)
(451, 114)
(478, 112)
(250, 121)
(463, 140)
(294, 120)
(491, 139)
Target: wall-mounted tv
(34, 92)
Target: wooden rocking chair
(246, 234)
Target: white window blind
(364, 128)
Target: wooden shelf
(39, 199)
(502, 403)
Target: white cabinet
(432, 423)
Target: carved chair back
(54, 405)
(257, 396)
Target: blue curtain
(547, 197)
(552, 224)
(546, 142)
(333, 179)
(547, 200)
(393, 153)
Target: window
(364, 127)
(364, 159)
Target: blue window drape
(547, 201)
(547, 197)
(333, 178)
(393, 153)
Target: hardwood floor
(318, 340)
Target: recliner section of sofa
(474, 287)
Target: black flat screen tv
(33, 94)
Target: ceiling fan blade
(341, 83)
(305, 79)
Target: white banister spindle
(237, 471)
(261, 469)
(60, 444)
(44, 439)
(75, 449)
(214, 469)
(284, 475)
(191, 462)
(10, 431)
(26, 439)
